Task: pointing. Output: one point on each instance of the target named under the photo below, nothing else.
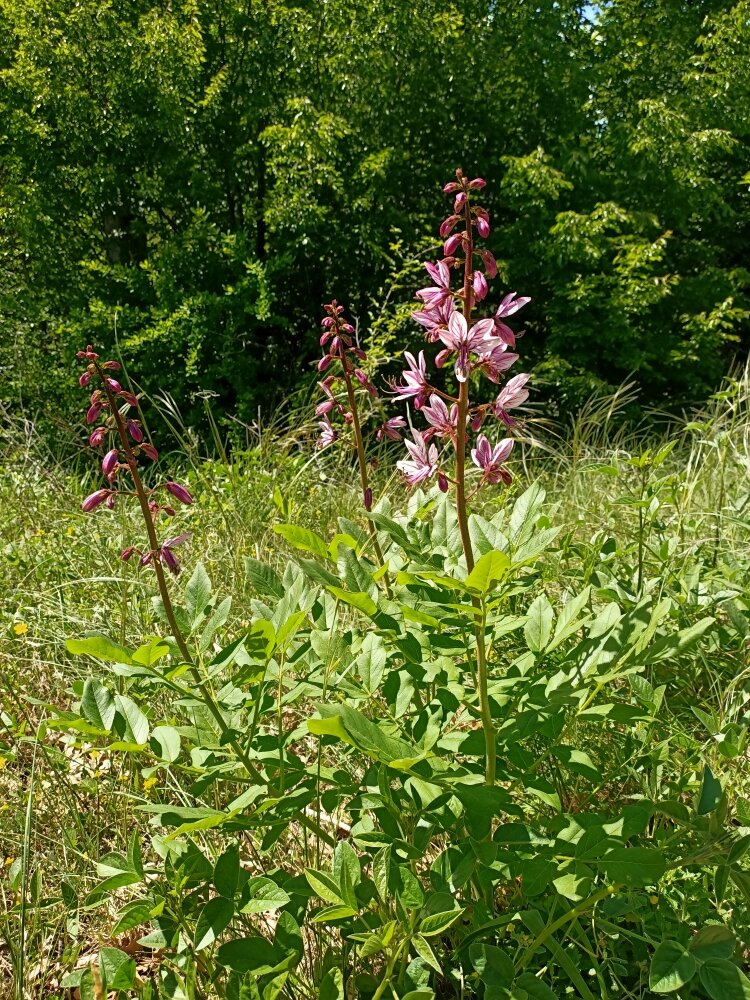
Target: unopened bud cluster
(346, 358)
(121, 433)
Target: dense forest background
(196, 177)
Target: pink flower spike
(423, 461)
(328, 434)
(93, 500)
(391, 428)
(479, 286)
(110, 461)
(490, 459)
(179, 492)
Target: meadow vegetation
(651, 543)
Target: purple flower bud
(460, 201)
(324, 362)
(490, 265)
(335, 346)
(359, 353)
(84, 380)
(134, 430)
(149, 451)
(477, 184)
(128, 552)
(179, 492)
(113, 384)
(110, 461)
(442, 482)
(93, 500)
(325, 407)
(479, 285)
(447, 225)
(483, 227)
(347, 327)
(93, 412)
(97, 437)
(450, 187)
(477, 420)
(113, 366)
(327, 322)
(451, 244)
(111, 501)
(368, 499)
(129, 398)
(146, 558)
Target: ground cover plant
(439, 725)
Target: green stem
(569, 915)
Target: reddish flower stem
(463, 521)
(161, 579)
(362, 462)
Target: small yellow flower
(653, 900)
(70, 530)
(20, 628)
(9, 862)
(3, 765)
(149, 783)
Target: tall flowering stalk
(123, 438)
(344, 359)
(476, 346)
